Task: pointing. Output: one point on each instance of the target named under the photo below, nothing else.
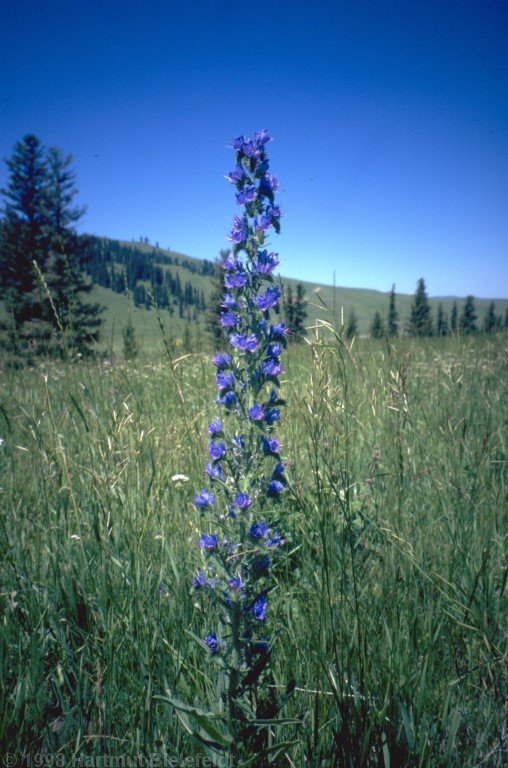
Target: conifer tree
(299, 314)
(377, 327)
(468, 317)
(420, 322)
(392, 326)
(216, 308)
(441, 322)
(23, 240)
(490, 321)
(454, 318)
(40, 255)
(352, 324)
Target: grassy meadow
(390, 607)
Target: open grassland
(390, 611)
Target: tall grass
(391, 610)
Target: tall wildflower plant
(245, 478)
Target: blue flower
(278, 331)
(212, 643)
(217, 450)
(222, 360)
(237, 175)
(271, 446)
(267, 300)
(236, 583)
(229, 301)
(265, 263)
(272, 368)
(225, 380)
(208, 541)
(256, 413)
(274, 541)
(260, 608)
(204, 499)
(215, 427)
(229, 400)
(272, 416)
(275, 488)
(235, 280)
(199, 580)
(242, 501)
(246, 195)
(214, 471)
(228, 320)
(238, 233)
(258, 531)
(269, 184)
(244, 342)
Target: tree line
(422, 323)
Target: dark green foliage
(377, 330)
(295, 312)
(215, 308)
(420, 322)
(491, 322)
(468, 317)
(130, 346)
(351, 325)
(41, 258)
(441, 322)
(454, 318)
(392, 326)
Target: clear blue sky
(390, 122)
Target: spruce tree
(299, 314)
(420, 322)
(377, 327)
(216, 308)
(468, 317)
(40, 256)
(78, 321)
(441, 322)
(392, 326)
(352, 324)
(454, 318)
(23, 243)
(490, 321)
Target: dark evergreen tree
(420, 322)
(377, 330)
(77, 320)
(352, 324)
(441, 322)
(23, 243)
(468, 317)
(130, 346)
(40, 255)
(506, 319)
(490, 321)
(299, 314)
(392, 326)
(216, 309)
(454, 318)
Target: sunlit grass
(391, 609)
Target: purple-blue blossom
(268, 299)
(208, 541)
(256, 412)
(260, 608)
(242, 501)
(265, 263)
(222, 360)
(217, 450)
(244, 342)
(204, 499)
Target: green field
(322, 300)
(390, 607)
